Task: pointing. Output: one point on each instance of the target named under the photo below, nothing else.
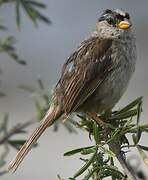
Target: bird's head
(113, 23)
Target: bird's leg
(98, 120)
(94, 116)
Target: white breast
(124, 58)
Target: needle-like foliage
(7, 47)
(32, 8)
(110, 142)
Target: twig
(115, 147)
(16, 129)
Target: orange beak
(124, 25)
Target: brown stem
(115, 147)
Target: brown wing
(83, 72)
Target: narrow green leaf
(40, 109)
(139, 110)
(34, 14)
(145, 148)
(40, 16)
(10, 40)
(112, 168)
(15, 57)
(43, 18)
(40, 83)
(86, 165)
(136, 137)
(128, 123)
(114, 134)
(139, 132)
(123, 115)
(29, 11)
(37, 4)
(111, 161)
(5, 122)
(96, 132)
(75, 151)
(3, 28)
(143, 155)
(22, 62)
(90, 173)
(21, 132)
(18, 19)
(7, 46)
(88, 151)
(130, 106)
(84, 159)
(143, 128)
(59, 177)
(27, 88)
(17, 142)
(114, 171)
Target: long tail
(52, 114)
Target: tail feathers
(52, 114)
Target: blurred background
(45, 49)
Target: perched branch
(109, 132)
(115, 147)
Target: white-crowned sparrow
(94, 77)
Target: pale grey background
(45, 49)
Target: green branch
(31, 7)
(7, 47)
(110, 143)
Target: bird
(94, 77)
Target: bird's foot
(96, 118)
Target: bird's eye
(127, 16)
(120, 17)
(111, 21)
